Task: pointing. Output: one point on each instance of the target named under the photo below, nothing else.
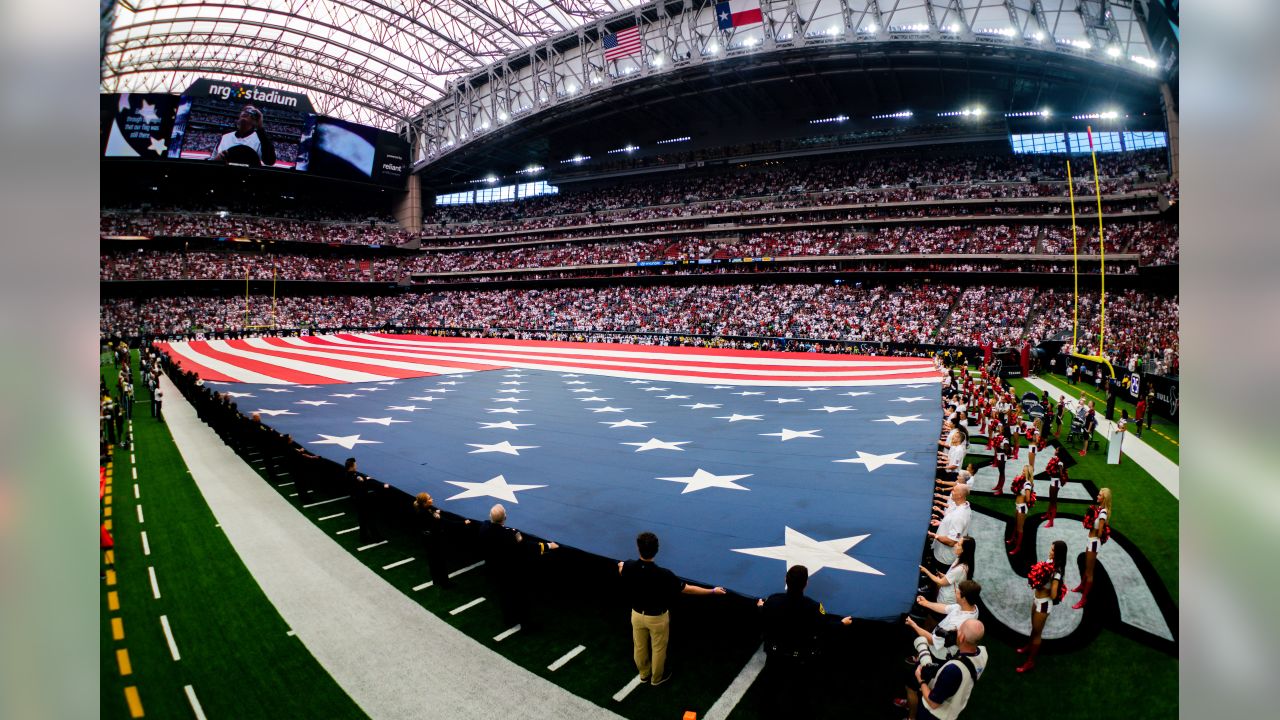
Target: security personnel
(793, 624)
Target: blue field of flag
(737, 481)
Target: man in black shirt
(793, 624)
(650, 590)
(432, 526)
(504, 549)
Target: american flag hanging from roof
(623, 43)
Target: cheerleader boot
(1053, 513)
(999, 488)
(1017, 545)
(1084, 595)
(1030, 664)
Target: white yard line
(195, 703)
(155, 587)
(168, 636)
(468, 606)
(733, 694)
(564, 659)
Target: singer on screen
(249, 143)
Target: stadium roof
(371, 62)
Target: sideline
(389, 654)
(1164, 470)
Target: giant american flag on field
(743, 462)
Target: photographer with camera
(945, 687)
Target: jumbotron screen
(249, 126)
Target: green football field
(236, 658)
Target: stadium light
(834, 30)
(901, 115)
(953, 28)
(1038, 36)
(502, 117)
(670, 141)
(750, 42)
(1145, 62)
(657, 61)
(1113, 51)
(712, 49)
(870, 29)
(825, 121)
(623, 149)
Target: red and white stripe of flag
(343, 358)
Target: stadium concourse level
(913, 317)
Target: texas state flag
(736, 13)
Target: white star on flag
(406, 408)
(607, 409)
(503, 447)
(509, 382)
(313, 403)
(909, 399)
(899, 419)
(781, 401)
(593, 398)
(654, 388)
(918, 385)
(497, 487)
(507, 399)
(699, 406)
(272, 389)
(875, 462)
(240, 395)
(507, 410)
(450, 382)
(829, 409)
(701, 480)
(388, 382)
(347, 441)
(426, 398)
(628, 423)
(309, 387)
(273, 413)
(505, 425)
(856, 393)
(800, 549)
(637, 382)
(793, 434)
(570, 375)
(514, 374)
(736, 417)
(816, 389)
(744, 393)
(577, 382)
(370, 389)
(345, 395)
(674, 397)
(512, 390)
(723, 387)
(435, 390)
(586, 390)
(656, 444)
(380, 421)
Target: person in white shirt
(934, 641)
(249, 143)
(953, 526)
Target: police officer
(793, 624)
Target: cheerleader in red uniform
(1057, 480)
(1098, 520)
(1024, 497)
(1045, 578)
(1001, 458)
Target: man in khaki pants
(650, 590)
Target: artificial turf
(1163, 435)
(233, 645)
(236, 655)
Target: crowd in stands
(1155, 240)
(850, 177)
(1139, 325)
(184, 224)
